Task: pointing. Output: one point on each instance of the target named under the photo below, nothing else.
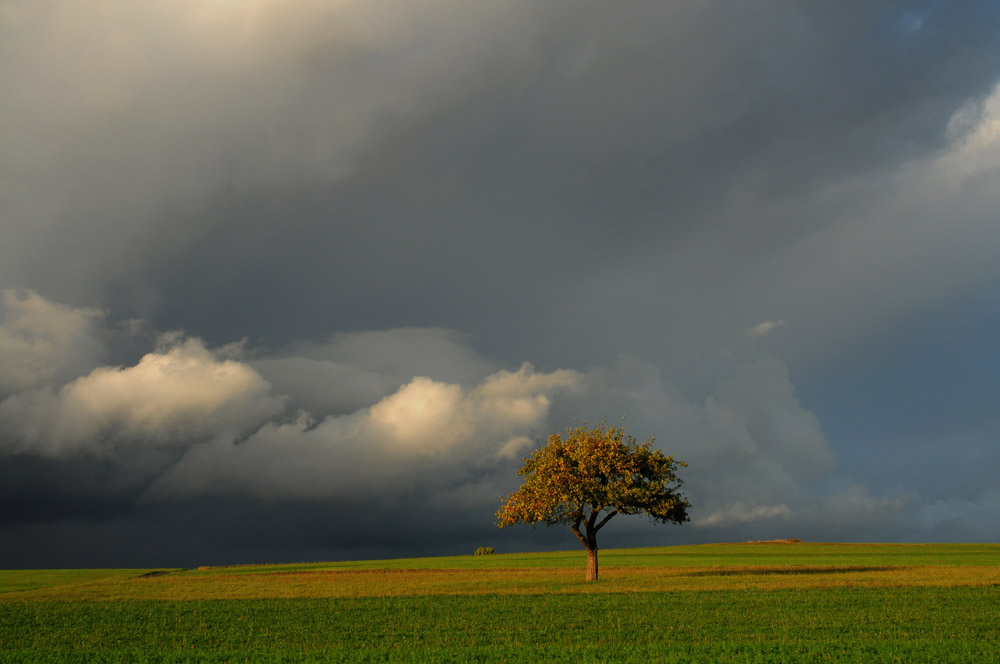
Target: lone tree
(587, 476)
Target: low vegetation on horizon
(752, 602)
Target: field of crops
(736, 603)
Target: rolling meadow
(752, 602)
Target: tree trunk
(592, 563)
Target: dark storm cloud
(651, 202)
(535, 152)
(625, 152)
(38, 490)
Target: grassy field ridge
(741, 602)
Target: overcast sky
(304, 280)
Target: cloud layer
(186, 424)
(172, 396)
(382, 149)
(764, 231)
(42, 342)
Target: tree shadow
(765, 571)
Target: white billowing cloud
(354, 370)
(223, 420)
(518, 397)
(424, 416)
(739, 513)
(427, 432)
(975, 133)
(763, 329)
(513, 447)
(175, 395)
(427, 416)
(44, 342)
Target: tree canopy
(586, 476)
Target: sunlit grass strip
(686, 556)
(194, 586)
(703, 567)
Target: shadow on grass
(764, 571)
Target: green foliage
(591, 476)
(592, 473)
(484, 551)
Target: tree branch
(593, 519)
(575, 527)
(605, 520)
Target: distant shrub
(484, 551)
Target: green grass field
(729, 603)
